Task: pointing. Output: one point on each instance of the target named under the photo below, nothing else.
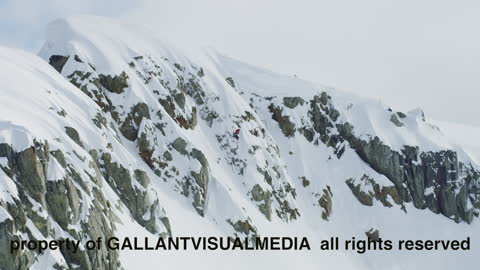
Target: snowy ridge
(120, 116)
(369, 117)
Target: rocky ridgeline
(438, 181)
(434, 180)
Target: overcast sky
(408, 53)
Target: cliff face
(116, 128)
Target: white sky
(421, 53)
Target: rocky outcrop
(8, 229)
(191, 85)
(322, 117)
(195, 183)
(366, 190)
(131, 124)
(115, 84)
(74, 135)
(244, 227)
(325, 202)
(43, 202)
(287, 127)
(58, 61)
(139, 199)
(305, 181)
(373, 234)
(434, 180)
(230, 81)
(180, 145)
(265, 200)
(200, 189)
(394, 118)
(185, 121)
(281, 192)
(292, 102)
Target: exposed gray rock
(200, 191)
(202, 178)
(137, 200)
(179, 67)
(323, 116)
(266, 198)
(167, 155)
(73, 134)
(208, 115)
(305, 181)
(58, 61)
(248, 116)
(17, 260)
(244, 227)
(324, 97)
(180, 145)
(63, 202)
(168, 105)
(287, 127)
(196, 183)
(285, 211)
(366, 189)
(142, 178)
(401, 115)
(145, 149)
(292, 102)
(373, 234)
(60, 201)
(180, 100)
(29, 166)
(325, 202)
(115, 84)
(77, 58)
(413, 172)
(131, 124)
(192, 87)
(230, 81)
(198, 155)
(363, 197)
(394, 119)
(201, 73)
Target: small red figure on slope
(236, 134)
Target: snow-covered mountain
(112, 132)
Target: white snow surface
(33, 94)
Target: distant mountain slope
(122, 134)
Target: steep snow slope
(50, 185)
(128, 136)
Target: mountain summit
(112, 132)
